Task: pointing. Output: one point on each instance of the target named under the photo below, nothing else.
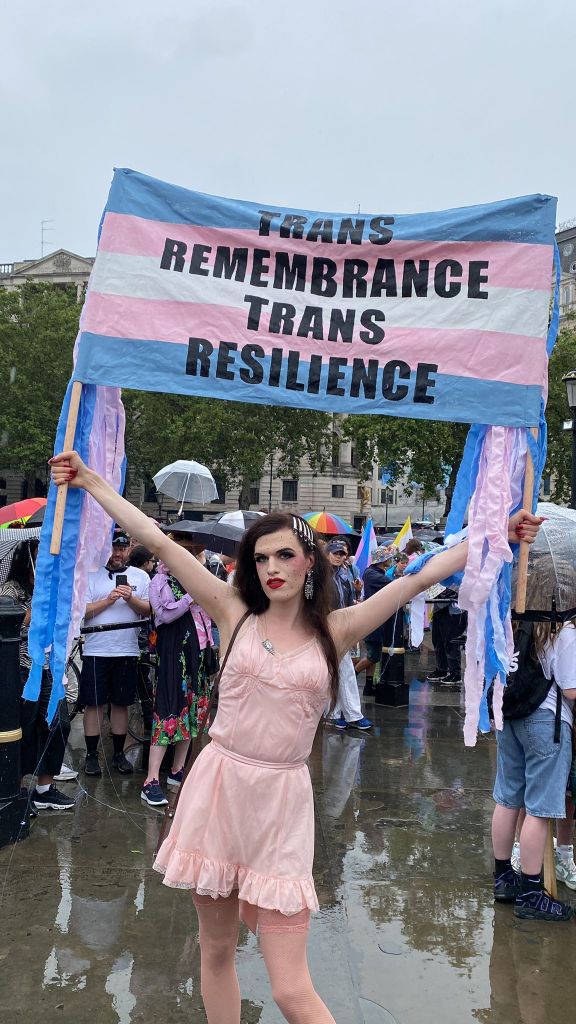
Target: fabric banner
(433, 315)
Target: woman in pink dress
(243, 836)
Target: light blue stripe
(161, 366)
(528, 219)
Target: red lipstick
(274, 583)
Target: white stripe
(507, 310)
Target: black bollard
(391, 689)
(14, 818)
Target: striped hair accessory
(303, 531)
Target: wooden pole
(522, 579)
(68, 446)
(550, 863)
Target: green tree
(559, 460)
(236, 440)
(38, 326)
(420, 453)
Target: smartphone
(121, 581)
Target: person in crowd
(183, 643)
(141, 558)
(348, 710)
(117, 593)
(374, 580)
(242, 838)
(43, 745)
(352, 570)
(414, 548)
(448, 625)
(532, 772)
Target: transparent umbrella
(551, 588)
(186, 480)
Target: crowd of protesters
(533, 762)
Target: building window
(335, 454)
(353, 459)
(255, 492)
(337, 490)
(546, 486)
(388, 496)
(360, 492)
(220, 500)
(289, 490)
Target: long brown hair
(316, 611)
(543, 633)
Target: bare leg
(503, 829)
(93, 717)
(219, 926)
(519, 823)
(292, 989)
(118, 720)
(155, 758)
(180, 755)
(532, 844)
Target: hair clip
(303, 531)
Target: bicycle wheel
(72, 687)
(140, 713)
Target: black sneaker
(92, 765)
(52, 798)
(452, 679)
(368, 690)
(507, 887)
(538, 905)
(436, 676)
(153, 794)
(121, 763)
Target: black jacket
(390, 633)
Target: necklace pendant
(268, 646)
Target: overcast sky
(394, 106)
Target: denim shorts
(532, 771)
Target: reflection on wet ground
(407, 930)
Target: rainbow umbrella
(327, 522)
(20, 511)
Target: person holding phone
(117, 593)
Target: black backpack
(528, 687)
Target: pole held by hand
(71, 422)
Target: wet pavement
(407, 932)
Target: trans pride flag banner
(433, 315)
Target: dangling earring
(309, 586)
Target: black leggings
(42, 747)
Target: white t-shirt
(114, 643)
(558, 659)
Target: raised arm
(349, 625)
(218, 599)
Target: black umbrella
(214, 535)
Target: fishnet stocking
(284, 953)
(219, 926)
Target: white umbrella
(186, 481)
(9, 541)
(241, 518)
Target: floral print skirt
(181, 690)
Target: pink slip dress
(245, 819)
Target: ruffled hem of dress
(191, 870)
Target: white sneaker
(515, 858)
(566, 872)
(66, 774)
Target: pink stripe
(484, 354)
(512, 265)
